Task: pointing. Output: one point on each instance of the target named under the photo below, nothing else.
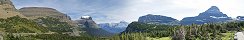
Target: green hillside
(20, 25)
(54, 24)
(221, 31)
(17, 28)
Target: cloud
(130, 10)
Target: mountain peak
(213, 9)
(86, 17)
(123, 22)
(212, 15)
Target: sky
(112, 11)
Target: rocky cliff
(36, 12)
(91, 27)
(88, 22)
(7, 9)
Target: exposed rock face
(114, 27)
(157, 19)
(88, 22)
(212, 15)
(36, 12)
(240, 18)
(7, 9)
(91, 27)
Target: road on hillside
(239, 36)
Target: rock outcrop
(157, 19)
(88, 22)
(92, 28)
(212, 15)
(7, 9)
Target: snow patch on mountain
(114, 27)
(85, 17)
(218, 17)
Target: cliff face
(88, 22)
(7, 9)
(92, 28)
(36, 12)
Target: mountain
(212, 15)
(88, 22)
(44, 16)
(157, 19)
(7, 9)
(92, 28)
(151, 30)
(114, 27)
(36, 12)
(240, 18)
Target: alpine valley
(44, 23)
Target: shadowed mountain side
(92, 28)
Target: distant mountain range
(114, 27)
(212, 15)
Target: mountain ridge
(212, 15)
(157, 19)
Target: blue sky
(104, 11)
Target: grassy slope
(162, 38)
(228, 36)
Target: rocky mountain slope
(114, 27)
(212, 15)
(38, 20)
(157, 19)
(92, 28)
(7, 9)
(36, 12)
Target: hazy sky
(130, 10)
